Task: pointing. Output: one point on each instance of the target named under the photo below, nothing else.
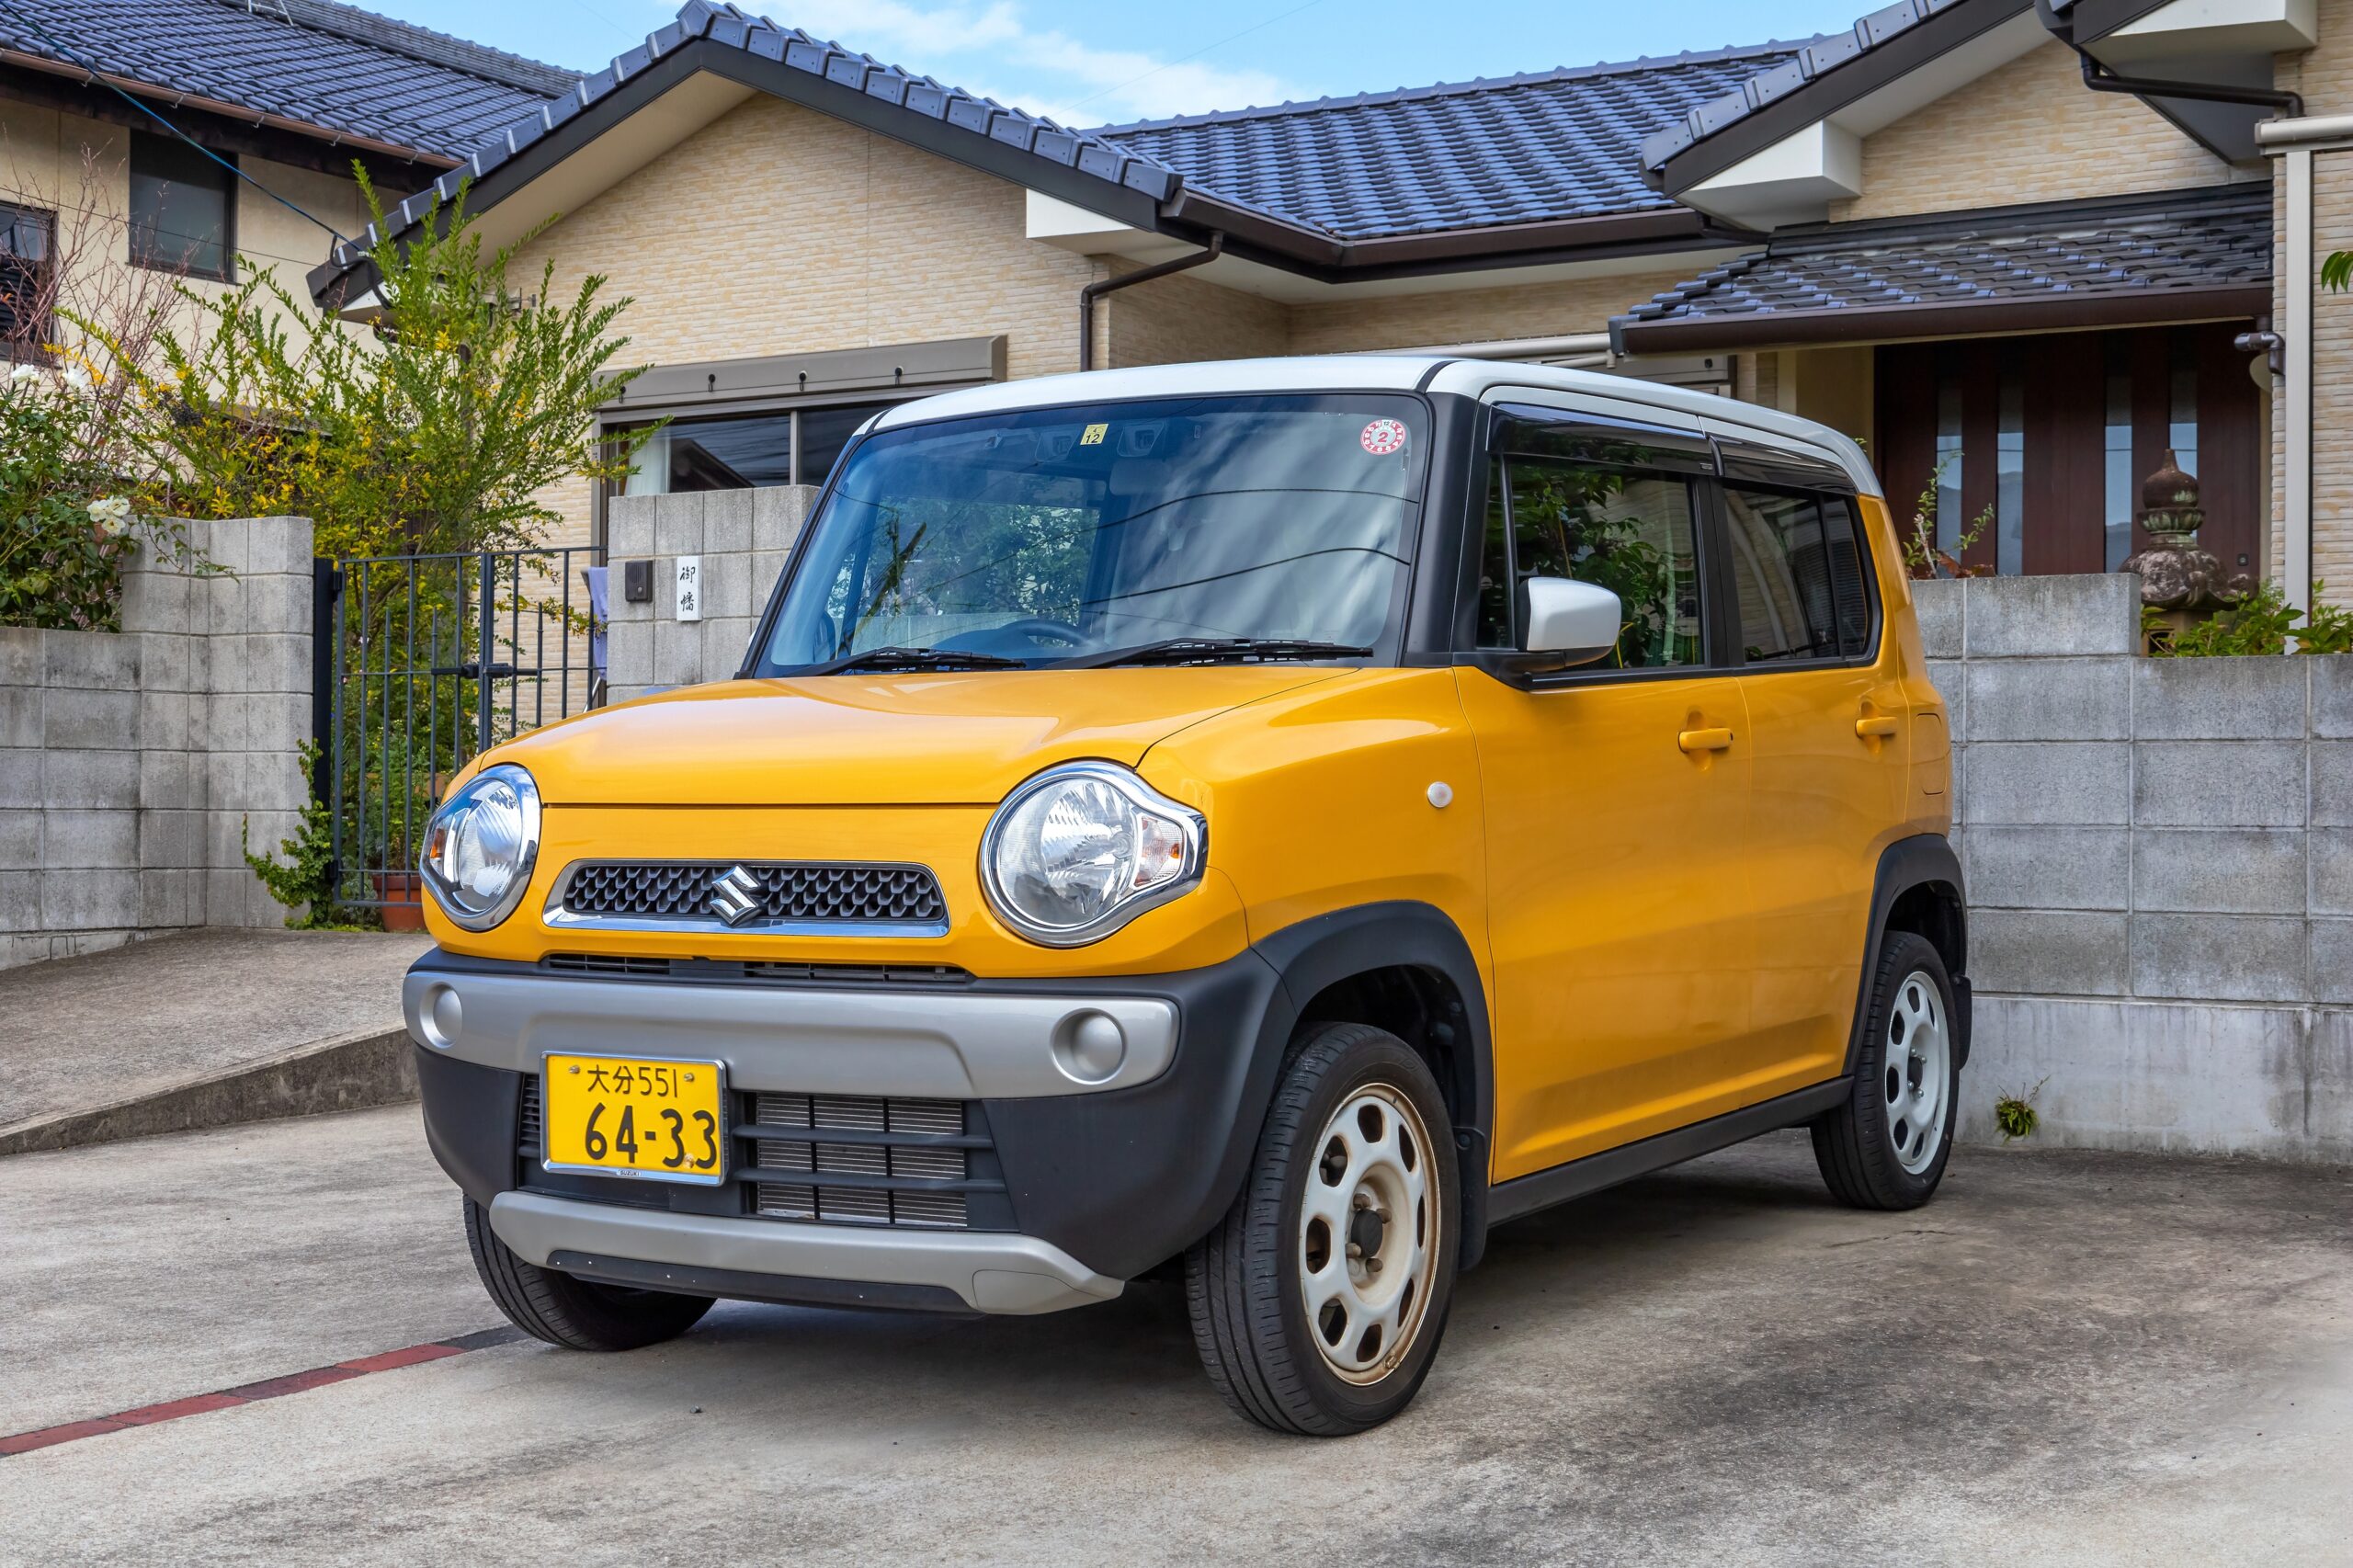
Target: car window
(1798, 573)
(1628, 530)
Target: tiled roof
(731, 26)
(1515, 150)
(1815, 61)
(322, 64)
(2218, 236)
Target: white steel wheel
(1915, 1071)
(1369, 1234)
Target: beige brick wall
(1177, 319)
(2028, 132)
(777, 230)
(2332, 390)
(1533, 310)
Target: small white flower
(112, 515)
(77, 377)
(24, 373)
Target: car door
(1617, 797)
(1828, 724)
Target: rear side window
(1799, 574)
(1628, 530)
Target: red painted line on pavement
(250, 1393)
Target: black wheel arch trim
(1317, 954)
(1928, 861)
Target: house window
(1949, 521)
(181, 208)
(2010, 475)
(27, 238)
(2119, 473)
(746, 451)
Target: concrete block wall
(128, 759)
(2160, 863)
(741, 537)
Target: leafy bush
(65, 526)
(441, 427)
(2262, 622)
(306, 883)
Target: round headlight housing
(1080, 850)
(480, 845)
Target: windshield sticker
(1094, 435)
(1383, 436)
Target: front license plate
(622, 1116)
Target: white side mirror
(1570, 622)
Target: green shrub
(2263, 623)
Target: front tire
(1886, 1147)
(1318, 1301)
(575, 1313)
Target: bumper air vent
(859, 1160)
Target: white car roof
(1617, 396)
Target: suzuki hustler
(1258, 823)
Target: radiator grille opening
(824, 894)
(887, 1155)
(527, 1116)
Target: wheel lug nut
(1373, 1266)
(1362, 1201)
(1355, 1251)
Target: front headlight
(480, 844)
(1080, 850)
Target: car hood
(897, 739)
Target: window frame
(1729, 587)
(1509, 666)
(229, 183)
(1743, 461)
(11, 214)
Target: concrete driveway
(2068, 1358)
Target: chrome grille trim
(794, 898)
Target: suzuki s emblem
(735, 896)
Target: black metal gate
(424, 662)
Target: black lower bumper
(1119, 1179)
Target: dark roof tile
(1515, 150)
(2176, 239)
(325, 64)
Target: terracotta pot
(403, 892)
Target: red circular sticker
(1383, 436)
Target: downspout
(2100, 79)
(1096, 291)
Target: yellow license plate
(624, 1116)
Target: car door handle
(1877, 726)
(1705, 740)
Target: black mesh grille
(682, 890)
(904, 1146)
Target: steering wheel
(1034, 627)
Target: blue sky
(1121, 60)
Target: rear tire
(1318, 1301)
(1886, 1147)
(575, 1313)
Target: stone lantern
(2176, 575)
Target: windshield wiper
(912, 659)
(1213, 651)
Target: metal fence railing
(424, 661)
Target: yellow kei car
(1262, 824)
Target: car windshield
(1259, 526)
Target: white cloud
(989, 48)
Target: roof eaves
(1825, 76)
(726, 27)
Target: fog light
(1089, 1047)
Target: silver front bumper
(925, 1044)
(992, 1272)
